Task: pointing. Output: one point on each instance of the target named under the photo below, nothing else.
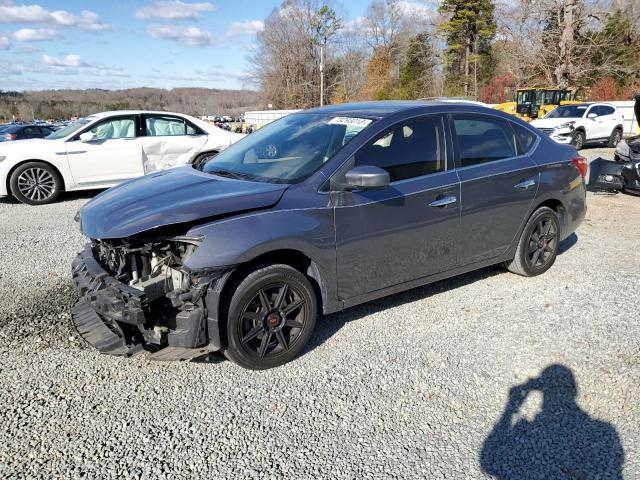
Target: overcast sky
(112, 44)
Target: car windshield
(287, 150)
(567, 111)
(70, 129)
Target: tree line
(479, 49)
(64, 104)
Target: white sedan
(104, 149)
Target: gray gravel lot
(405, 387)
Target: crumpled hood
(178, 195)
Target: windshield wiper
(230, 174)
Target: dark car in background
(316, 212)
(24, 132)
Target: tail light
(10, 136)
(581, 164)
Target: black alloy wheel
(542, 243)
(538, 246)
(271, 317)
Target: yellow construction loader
(532, 103)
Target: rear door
(409, 229)
(115, 154)
(498, 184)
(168, 141)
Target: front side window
(289, 149)
(483, 139)
(409, 149)
(166, 126)
(112, 129)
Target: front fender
(239, 240)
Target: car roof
(112, 113)
(381, 109)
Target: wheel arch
(22, 162)
(294, 258)
(557, 206)
(229, 282)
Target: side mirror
(592, 116)
(367, 178)
(87, 137)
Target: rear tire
(270, 317)
(538, 245)
(615, 138)
(579, 139)
(36, 183)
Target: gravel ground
(414, 385)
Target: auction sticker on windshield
(350, 121)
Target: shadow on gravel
(561, 442)
(567, 243)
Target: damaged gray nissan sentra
(314, 213)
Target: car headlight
(2, 158)
(564, 126)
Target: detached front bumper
(118, 319)
(609, 176)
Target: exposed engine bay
(143, 295)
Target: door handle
(443, 201)
(525, 184)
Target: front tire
(579, 139)
(538, 245)
(35, 183)
(270, 318)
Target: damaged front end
(139, 296)
(615, 176)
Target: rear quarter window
(526, 139)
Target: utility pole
(321, 74)
(325, 25)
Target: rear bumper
(118, 319)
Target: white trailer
(261, 118)
(630, 123)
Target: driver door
(409, 229)
(595, 127)
(113, 156)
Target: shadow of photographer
(561, 442)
